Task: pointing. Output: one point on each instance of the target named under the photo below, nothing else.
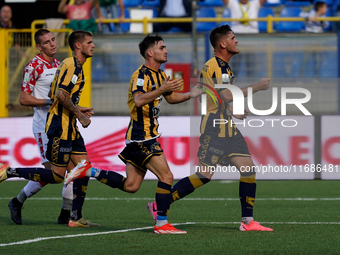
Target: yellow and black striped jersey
(143, 120)
(70, 78)
(216, 71)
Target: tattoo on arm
(65, 100)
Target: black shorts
(59, 151)
(219, 150)
(139, 153)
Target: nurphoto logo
(239, 103)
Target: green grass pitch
(305, 217)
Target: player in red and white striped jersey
(37, 78)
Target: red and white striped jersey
(37, 78)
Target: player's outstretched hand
(196, 91)
(263, 84)
(173, 85)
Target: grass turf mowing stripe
(150, 227)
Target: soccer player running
(65, 142)
(224, 138)
(148, 86)
(37, 78)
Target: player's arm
(168, 86)
(28, 100)
(262, 84)
(62, 8)
(65, 100)
(175, 98)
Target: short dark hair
(148, 41)
(77, 36)
(217, 33)
(318, 5)
(39, 33)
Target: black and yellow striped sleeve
(139, 82)
(71, 73)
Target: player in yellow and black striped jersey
(148, 86)
(70, 78)
(143, 123)
(223, 143)
(217, 71)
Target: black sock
(187, 185)
(163, 197)
(247, 193)
(79, 193)
(112, 179)
(36, 174)
(16, 202)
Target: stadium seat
(205, 13)
(150, 3)
(327, 69)
(226, 14)
(290, 26)
(125, 26)
(98, 70)
(264, 12)
(329, 14)
(210, 3)
(289, 3)
(131, 3)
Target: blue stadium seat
(330, 3)
(264, 12)
(226, 14)
(290, 26)
(125, 26)
(205, 13)
(150, 3)
(302, 3)
(131, 3)
(99, 72)
(210, 3)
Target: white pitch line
(192, 199)
(38, 239)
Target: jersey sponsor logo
(216, 151)
(156, 111)
(140, 82)
(63, 149)
(50, 74)
(74, 79)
